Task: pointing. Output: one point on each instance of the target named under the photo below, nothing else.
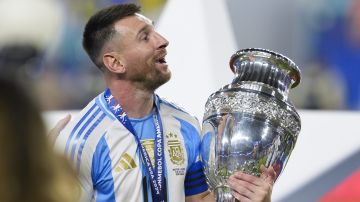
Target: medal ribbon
(156, 174)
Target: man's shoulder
(173, 109)
(87, 126)
(174, 106)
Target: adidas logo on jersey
(125, 163)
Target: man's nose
(162, 42)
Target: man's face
(142, 51)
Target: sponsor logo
(126, 163)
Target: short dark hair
(99, 29)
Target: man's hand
(54, 133)
(249, 188)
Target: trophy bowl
(250, 122)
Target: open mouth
(161, 60)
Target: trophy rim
(291, 66)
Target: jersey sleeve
(101, 173)
(83, 142)
(66, 144)
(195, 181)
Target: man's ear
(113, 63)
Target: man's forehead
(144, 18)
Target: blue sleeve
(101, 175)
(195, 181)
(205, 151)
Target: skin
(248, 188)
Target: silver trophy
(250, 122)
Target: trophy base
(223, 194)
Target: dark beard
(151, 82)
(156, 82)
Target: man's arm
(246, 188)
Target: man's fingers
(241, 189)
(54, 133)
(252, 188)
(62, 123)
(268, 174)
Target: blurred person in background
(29, 31)
(337, 49)
(321, 88)
(29, 169)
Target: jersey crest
(175, 149)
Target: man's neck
(137, 103)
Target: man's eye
(146, 37)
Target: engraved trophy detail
(250, 122)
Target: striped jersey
(108, 160)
